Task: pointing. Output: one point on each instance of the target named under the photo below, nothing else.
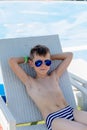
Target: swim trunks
(66, 113)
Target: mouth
(42, 69)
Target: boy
(45, 91)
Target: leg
(80, 116)
(65, 124)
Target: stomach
(53, 106)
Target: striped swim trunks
(66, 113)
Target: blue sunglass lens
(48, 62)
(38, 63)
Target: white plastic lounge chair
(20, 108)
(78, 74)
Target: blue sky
(68, 19)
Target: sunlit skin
(45, 91)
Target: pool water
(2, 92)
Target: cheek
(48, 67)
(36, 68)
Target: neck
(41, 76)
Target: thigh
(80, 116)
(65, 124)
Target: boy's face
(41, 64)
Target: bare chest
(43, 89)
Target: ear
(31, 63)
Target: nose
(43, 64)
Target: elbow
(11, 61)
(70, 54)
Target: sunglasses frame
(38, 63)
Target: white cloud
(37, 28)
(75, 48)
(39, 12)
(81, 18)
(2, 16)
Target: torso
(47, 95)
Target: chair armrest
(79, 83)
(6, 119)
(77, 78)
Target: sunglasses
(38, 63)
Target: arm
(66, 57)
(14, 64)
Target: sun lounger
(19, 109)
